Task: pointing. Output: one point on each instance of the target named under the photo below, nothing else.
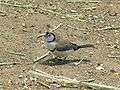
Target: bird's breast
(51, 45)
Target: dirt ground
(91, 22)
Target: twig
(90, 8)
(63, 81)
(99, 87)
(12, 63)
(57, 27)
(19, 54)
(109, 28)
(44, 84)
(42, 57)
(68, 82)
(56, 79)
(112, 56)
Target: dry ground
(97, 23)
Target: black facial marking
(50, 37)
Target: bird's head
(49, 36)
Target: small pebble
(73, 11)
(62, 17)
(20, 76)
(99, 67)
(24, 25)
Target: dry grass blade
(57, 27)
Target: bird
(60, 47)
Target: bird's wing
(66, 46)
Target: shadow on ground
(54, 62)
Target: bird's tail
(86, 46)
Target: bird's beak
(40, 35)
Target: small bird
(60, 47)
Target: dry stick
(65, 81)
(41, 82)
(100, 87)
(61, 77)
(109, 28)
(42, 57)
(44, 84)
(57, 27)
(55, 77)
(12, 63)
(51, 78)
(112, 56)
(91, 8)
(19, 54)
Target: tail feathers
(86, 46)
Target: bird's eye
(47, 33)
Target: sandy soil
(97, 23)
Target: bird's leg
(42, 57)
